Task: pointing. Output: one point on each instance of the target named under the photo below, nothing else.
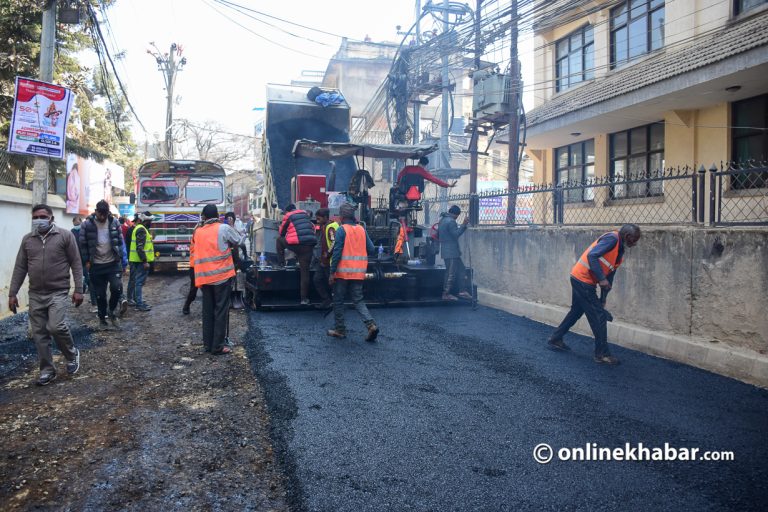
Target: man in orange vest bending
(349, 262)
(214, 264)
(596, 266)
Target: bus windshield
(159, 191)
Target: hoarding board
(40, 115)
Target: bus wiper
(205, 200)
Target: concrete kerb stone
(742, 364)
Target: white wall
(15, 222)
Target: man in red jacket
(410, 181)
(297, 233)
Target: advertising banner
(494, 209)
(40, 115)
(88, 182)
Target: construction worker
(214, 263)
(448, 233)
(410, 180)
(297, 233)
(140, 257)
(349, 262)
(326, 232)
(596, 266)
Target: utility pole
(473, 141)
(514, 118)
(47, 48)
(169, 66)
(445, 151)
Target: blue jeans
(139, 275)
(584, 301)
(355, 287)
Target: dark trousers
(103, 275)
(355, 287)
(139, 275)
(87, 286)
(303, 254)
(455, 276)
(584, 301)
(192, 294)
(320, 280)
(216, 299)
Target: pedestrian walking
(595, 267)
(448, 233)
(48, 255)
(140, 257)
(297, 233)
(321, 261)
(103, 250)
(349, 262)
(87, 288)
(214, 264)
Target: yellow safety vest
(149, 248)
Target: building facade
(631, 88)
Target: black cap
(454, 210)
(210, 211)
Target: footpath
(149, 422)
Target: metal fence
(730, 195)
(739, 194)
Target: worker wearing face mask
(48, 255)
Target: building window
(575, 164)
(637, 28)
(637, 156)
(575, 58)
(749, 139)
(740, 6)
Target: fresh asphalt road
(444, 411)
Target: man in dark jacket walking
(103, 251)
(297, 233)
(448, 233)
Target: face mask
(41, 224)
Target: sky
(231, 56)
(228, 66)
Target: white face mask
(41, 224)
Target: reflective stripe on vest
(354, 254)
(212, 265)
(149, 248)
(608, 263)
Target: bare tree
(209, 141)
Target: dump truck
(308, 161)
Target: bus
(175, 192)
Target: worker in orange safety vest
(214, 264)
(349, 263)
(595, 267)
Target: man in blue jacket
(103, 251)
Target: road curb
(742, 364)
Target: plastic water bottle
(262, 261)
(381, 251)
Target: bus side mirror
(132, 198)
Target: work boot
(465, 296)
(558, 345)
(103, 324)
(185, 309)
(448, 296)
(609, 360)
(373, 331)
(305, 302)
(336, 333)
(114, 321)
(123, 308)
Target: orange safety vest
(212, 265)
(608, 262)
(401, 238)
(354, 254)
